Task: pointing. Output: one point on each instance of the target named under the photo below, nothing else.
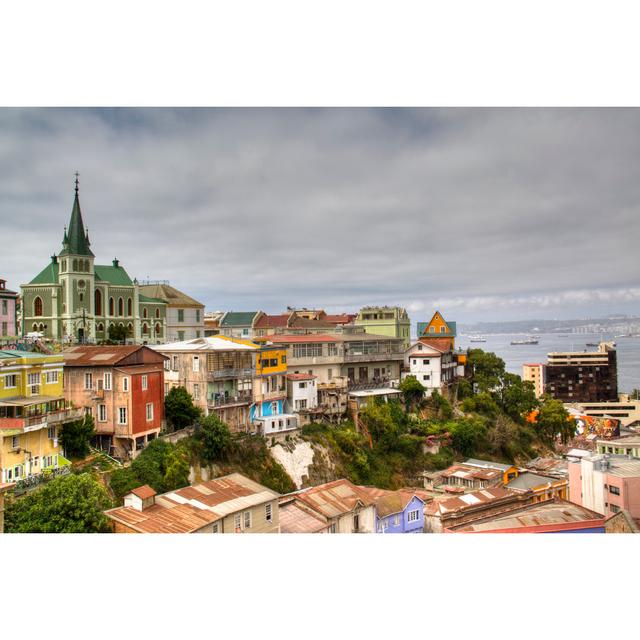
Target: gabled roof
(112, 274)
(238, 318)
(440, 506)
(112, 355)
(144, 492)
(390, 502)
(149, 300)
(422, 326)
(49, 275)
(209, 343)
(169, 294)
(334, 498)
(442, 344)
(266, 321)
(487, 464)
(295, 517)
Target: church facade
(75, 300)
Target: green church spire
(76, 240)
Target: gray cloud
(507, 212)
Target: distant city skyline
(485, 214)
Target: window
(302, 385)
(5, 326)
(102, 413)
(301, 404)
(51, 377)
(330, 374)
(120, 307)
(413, 516)
(333, 528)
(149, 411)
(145, 313)
(215, 529)
(274, 407)
(129, 307)
(166, 388)
(196, 364)
(180, 336)
(238, 522)
(614, 508)
(180, 315)
(426, 377)
(415, 362)
(33, 378)
(125, 384)
(145, 382)
(267, 513)
(15, 442)
(247, 519)
(51, 433)
(37, 306)
(356, 522)
(196, 391)
(111, 307)
(432, 329)
(122, 415)
(396, 520)
(174, 364)
(197, 315)
(107, 381)
(11, 381)
(419, 347)
(614, 490)
(97, 302)
(88, 381)
(283, 359)
(443, 329)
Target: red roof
(340, 318)
(266, 321)
(301, 376)
(307, 337)
(144, 492)
(441, 344)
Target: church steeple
(76, 240)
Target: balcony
(373, 357)
(221, 374)
(220, 400)
(375, 383)
(276, 394)
(33, 423)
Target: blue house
(397, 511)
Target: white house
(302, 391)
(425, 363)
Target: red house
(122, 387)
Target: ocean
(516, 355)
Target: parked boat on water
(528, 340)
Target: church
(75, 300)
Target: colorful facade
(32, 412)
(75, 300)
(438, 332)
(122, 387)
(8, 311)
(386, 321)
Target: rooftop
(296, 518)
(84, 355)
(210, 343)
(530, 480)
(550, 515)
(191, 508)
(390, 502)
(238, 318)
(144, 492)
(487, 464)
(471, 472)
(301, 376)
(445, 505)
(169, 294)
(335, 498)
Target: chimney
(116, 262)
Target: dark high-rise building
(589, 376)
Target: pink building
(8, 302)
(606, 484)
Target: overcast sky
(487, 214)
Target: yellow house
(32, 411)
(438, 330)
(271, 361)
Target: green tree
(553, 420)
(517, 398)
(487, 370)
(482, 403)
(177, 473)
(442, 406)
(67, 504)
(214, 438)
(379, 420)
(412, 391)
(466, 433)
(122, 481)
(117, 333)
(75, 437)
(179, 408)
(463, 389)
(150, 466)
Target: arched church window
(145, 313)
(81, 296)
(111, 307)
(37, 306)
(64, 265)
(75, 264)
(158, 329)
(120, 307)
(157, 312)
(145, 328)
(35, 326)
(98, 302)
(129, 307)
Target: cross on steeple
(77, 175)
